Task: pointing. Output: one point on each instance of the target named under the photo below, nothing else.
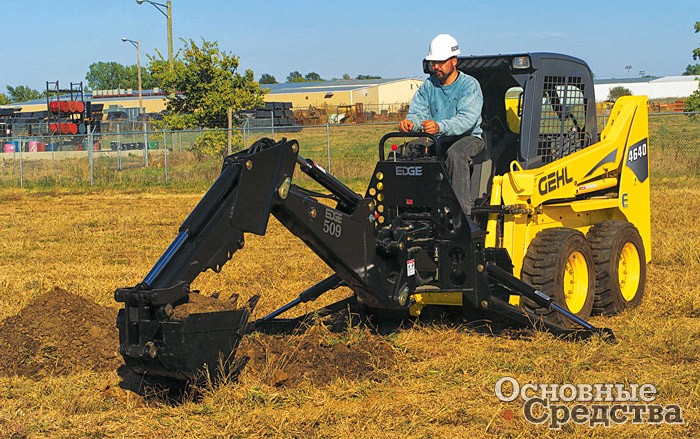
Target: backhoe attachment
(408, 237)
(154, 337)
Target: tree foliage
(203, 84)
(23, 93)
(696, 51)
(692, 69)
(266, 78)
(4, 100)
(692, 102)
(112, 75)
(368, 77)
(313, 77)
(617, 92)
(295, 76)
(214, 143)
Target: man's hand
(405, 126)
(430, 127)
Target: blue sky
(48, 40)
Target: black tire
(555, 257)
(620, 262)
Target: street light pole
(138, 67)
(167, 10)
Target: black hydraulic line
(347, 196)
(312, 293)
(540, 298)
(165, 258)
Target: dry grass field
(427, 381)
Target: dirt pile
(198, 303)
(317, 356)
(59, 333)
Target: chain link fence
(137, 154)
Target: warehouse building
(667, 87)
(374, 94)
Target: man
(448, 105)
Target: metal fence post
(91, 156)
(165, 154)
(119, 148)
(245, 141)
(145, 143)
(21, 169)
(53, 157)
(328, 142)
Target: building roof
(625, 80)
(88, 96)
(678, 78)
(328, 86)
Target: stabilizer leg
(519, 287)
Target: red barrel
(54, 106)
(72, 128)
(53, 128)
(79, 107)
(65, 107)
(71, 106)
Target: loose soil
(198, 303)
(318, 357)
(59, 333)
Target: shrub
(213, 143)
(618, 92)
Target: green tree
(346, 76)
(692, 69)
(692, 102)
(313, 77)
(105, 75)
(617, 92)
(696, 51)
(266, 78)
(368, 77)
(208, 83)
(295, 76)
(111, 75)
(4, 100)
(22, 93)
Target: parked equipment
(561, 231)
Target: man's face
(443, 69)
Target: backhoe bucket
(163, 342)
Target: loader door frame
(559, 114)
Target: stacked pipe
(63, 128)
(66, 107)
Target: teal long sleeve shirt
(456, 107)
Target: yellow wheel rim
(628, 271)
(575, 282)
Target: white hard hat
(443, 47)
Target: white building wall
(662, 88)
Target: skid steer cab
(560, 231)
